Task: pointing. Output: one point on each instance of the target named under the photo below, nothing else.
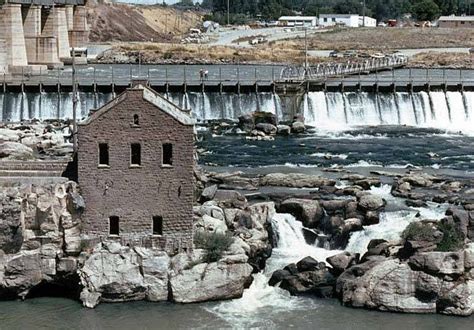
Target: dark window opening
(136, 120)
(157, 225)
(114, 227)
(103, 154)
(136, 157)
(167, 154)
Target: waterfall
(326, 111)
(252, 309)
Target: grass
(452, 238)
(215, 244)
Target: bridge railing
(329, 70)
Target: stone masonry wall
(136, 194)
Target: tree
(425, 10)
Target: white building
(348, 20)
(298, 21)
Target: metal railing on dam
(331, 70)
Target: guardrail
(329, 70)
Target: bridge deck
(44, 2)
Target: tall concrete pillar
(70, 17)
(11, 30)
(55, 24)
(79, 34)
(3, 58)
(32, 30)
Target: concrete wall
(55, 25)
(11, 30)
(136, 194)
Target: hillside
(121, 22)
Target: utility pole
(363, 13)
(74, 102)
(305, 50)
(228, 13)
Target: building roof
(297, 18)
(339, 15)
(151, 96)
(456, 18)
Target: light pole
(74, 102)
(228, 13)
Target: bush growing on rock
(419, 231)
(452, 238)
(215, 244)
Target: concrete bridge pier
(11, 31)
(77, 26)
(55, 25)
(40, 49)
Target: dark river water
(59, 313)
(395, 147)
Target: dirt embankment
(121, 22)
(387, 39)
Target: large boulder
(308, 276)
(370, 202)
(306, 210)
(11, 237)
(341, 261)
(21, 273)
(16, 151)
(215, 281)
(9, 135)
(262, 117)
(439, 263)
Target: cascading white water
(392, 223)
(452, 111)
(260, 299)
(330, 111)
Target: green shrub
(215, 244)
(452, 238)
(168, 55)
(419, 231)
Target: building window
(167, 154)
(325, 19)
(157, 225)
(136, 154)
(333, 19)
(103, 154)
(136, 120)
(114, 226)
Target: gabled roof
(150, 96)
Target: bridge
(37, 34)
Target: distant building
(348, 20)
(135, 169)
(456, 22)
(292, 21)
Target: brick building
(135, 169)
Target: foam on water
(261, 300)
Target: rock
(89, 299)
(208, 193)
(334, 206)
(11, 235)
(382, 284)
(230, 198)
(211, 224)
(309, 277)
(352, 224)
(298, 127)
(443, 263)
(283, 130)
(371, 218)
(246, 122)
(371, 202)
(266, 128)
(9, 135)
(415, 203)
(15, 150)
(418, 180)
(458, 301)
(295, 180)
(262, 117)
(305, 210)
(214, 281)
(307, 264)
(67, 265)
(341, 261)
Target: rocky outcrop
(295, 180)
(307, 211)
